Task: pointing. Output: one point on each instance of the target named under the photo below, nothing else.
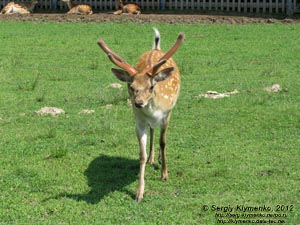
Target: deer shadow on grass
(107, 174)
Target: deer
(128, 8)
(153, 86)
(79, 8)
(19, 7)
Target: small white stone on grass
(216, 95)
(116, 85)
(129, 103)
(108, 106)
(86, 111)
(53, 111)
(273, 88)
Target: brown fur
(128, 8)
(169, 87)
(19, 7)
(79, 8)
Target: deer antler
(172, 50)
(167, 55)
(117, 60)
(156, 66)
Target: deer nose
(138, 104)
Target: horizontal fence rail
(240, 6)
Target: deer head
(143, 79)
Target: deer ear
(122, 75)
(163, 74)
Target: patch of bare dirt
(148, 18)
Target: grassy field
(82, 169)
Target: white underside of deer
(17, 10)
(153, 86)
(19, 7)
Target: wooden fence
(240, 6)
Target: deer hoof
(138, 198)
(164, 177)
(151, 161)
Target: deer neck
(69, 3)
(121, 4)
(32, 5)
(148, 59)
(149, 115)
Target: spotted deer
(153, 86)
(19, 7)
(128, 8)
(79, 8)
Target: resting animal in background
(79, 8)
(130, 8)
(153, 86)
(19, 7)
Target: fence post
(162, 5)
(53, 4)
(289, 7)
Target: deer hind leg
(162, 142)
(152, 153)
(118, 12)
(10, 10)
(24, 11)
(142, 138)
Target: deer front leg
(142, 138)
(162, 142)
(151, 155)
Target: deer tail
(156, 43)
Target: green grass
(83, 169)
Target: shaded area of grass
(105, 175)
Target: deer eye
(151, 88)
